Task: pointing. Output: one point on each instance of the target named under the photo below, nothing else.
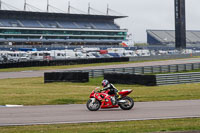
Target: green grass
(62, 67)
(190, 124)
(33, 91)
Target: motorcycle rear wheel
(128, 104)
(93, 106)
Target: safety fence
(178, 78)
(62, 62)
(163, 57)
(144, 70)
(48, 62)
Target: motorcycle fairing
(125, 92)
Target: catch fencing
(144, 70)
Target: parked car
(114, 54)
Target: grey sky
(143, 14)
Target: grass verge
(61, 67)
(190, 124)
(33, 91)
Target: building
(36, 28)
(165, 37)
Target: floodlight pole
(24, 5)
(107, 12)
(180, 24)
(69, 7)
(0, 4)
(88, 8)
(47, 5)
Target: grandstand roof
(50, 15)
(168, 37)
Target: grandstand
(164, 37)
(25, 27)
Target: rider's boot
(117, 97)
(119, 100)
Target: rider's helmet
(105, 83)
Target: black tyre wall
(66, 77)
(126, 78)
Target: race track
(24, 74)
(55, 114)
(78, 113)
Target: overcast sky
(142, 14)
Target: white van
(74, 54)
(59, 55)
(17, 56)
(116, 50)
(129, 53)
(143, 52)
(40, 55)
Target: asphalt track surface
(24, 74)
(78, 113)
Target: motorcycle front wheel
(93, 105)
(128, 104)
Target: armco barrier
(66, 77)
(126, 78)
(162, 57)
(144, 70)
(177, 78)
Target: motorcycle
(104, 100)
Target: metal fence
(144, 70)
(178, 78)
(162, 57)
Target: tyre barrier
(126, 78)
(153, 80)
(62, 62)
(66, 77)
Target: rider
(111, 87)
